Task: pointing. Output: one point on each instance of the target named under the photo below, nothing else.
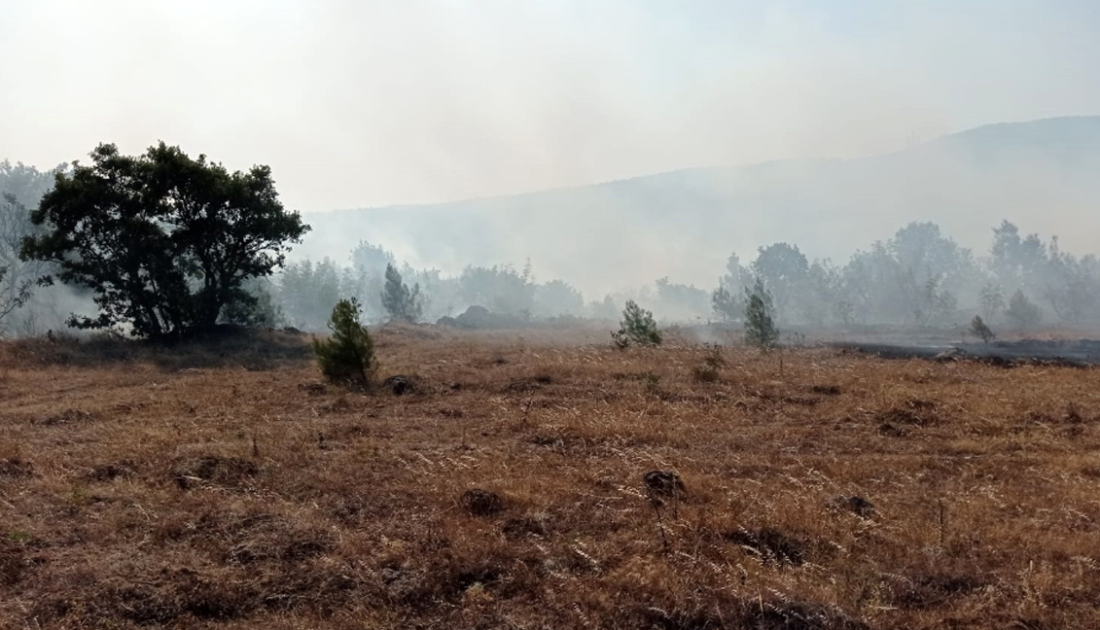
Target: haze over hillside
(683, 224)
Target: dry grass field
(225, 486)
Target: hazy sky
(359, 102)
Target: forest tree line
(919, 277)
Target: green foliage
(637, 326)
(401, 303)
(1022, 311)
(347, 356)
(979, 328)
(164, 241)
(760, 330)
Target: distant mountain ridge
(683, 224)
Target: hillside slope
(684, 224)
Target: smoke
(367, 104)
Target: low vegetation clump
(347, 356)
(709, 370)
(547, 482)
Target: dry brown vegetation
(226, 486)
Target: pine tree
(760, 330)
(399, 301)
(347, 357)
(637, 326)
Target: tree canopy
(163, 240)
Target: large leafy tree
(784, 270)
(163, 240)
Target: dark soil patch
(890, 430)
(754, 615)
(69, 416)
(524, 526)
(856, 505)
(482, 502)
(192, 472)
(933, 590)
(826, 390)
(110, 472)
(771, 545)
(399, 385)
(528, 384)
(12, 563)
(920, 413)
(184, 593)
(15, 468)
(663, 484)
(276, 540)
(313, 389)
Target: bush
(979, 328)
(637, 326)
(347, 357)
(760, 330)
(708, 371)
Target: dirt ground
(227, 486)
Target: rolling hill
(683, 224)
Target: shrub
(760, 330)
(347, 357)
(708, 370)
(637, 326)
(979, 328)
